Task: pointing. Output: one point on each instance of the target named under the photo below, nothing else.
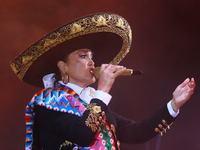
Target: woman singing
(68, 114)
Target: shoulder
(42, 94)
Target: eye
(83, 56)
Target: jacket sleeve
(79, 130)
(131, 132)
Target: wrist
(174, 106)
(171, 111)
(103, 90)
(105, 97)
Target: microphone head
(137, 72)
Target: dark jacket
(52, 128)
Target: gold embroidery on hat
(76, 28)
(100, 21)
(53, 38)
(90, 24)
(120, 23)
(26, 59)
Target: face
(79, 67)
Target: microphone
(127, 72)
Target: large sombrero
(108, 35)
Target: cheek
(77, 67)
(74, 64)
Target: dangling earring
(65, 79)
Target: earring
(65, 79)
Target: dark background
(166, 43)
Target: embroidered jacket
(63, 121)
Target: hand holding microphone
(107, 74)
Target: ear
(62, 67)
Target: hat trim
(104, 22)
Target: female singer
(70, 115)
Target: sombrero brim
(107, 35)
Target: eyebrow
(85, 50)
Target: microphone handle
(127, 72)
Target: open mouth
(92, 71)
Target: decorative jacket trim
(65, 100)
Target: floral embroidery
(94, 117)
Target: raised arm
(182, 93)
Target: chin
(93, 80)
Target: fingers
(103, 66)
(192, 83)
(120, 71)
(188, 86)
(191, 86)
(113, 70)
(182, 85)
(107, 75)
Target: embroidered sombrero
(108, 35)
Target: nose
(91, 62)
